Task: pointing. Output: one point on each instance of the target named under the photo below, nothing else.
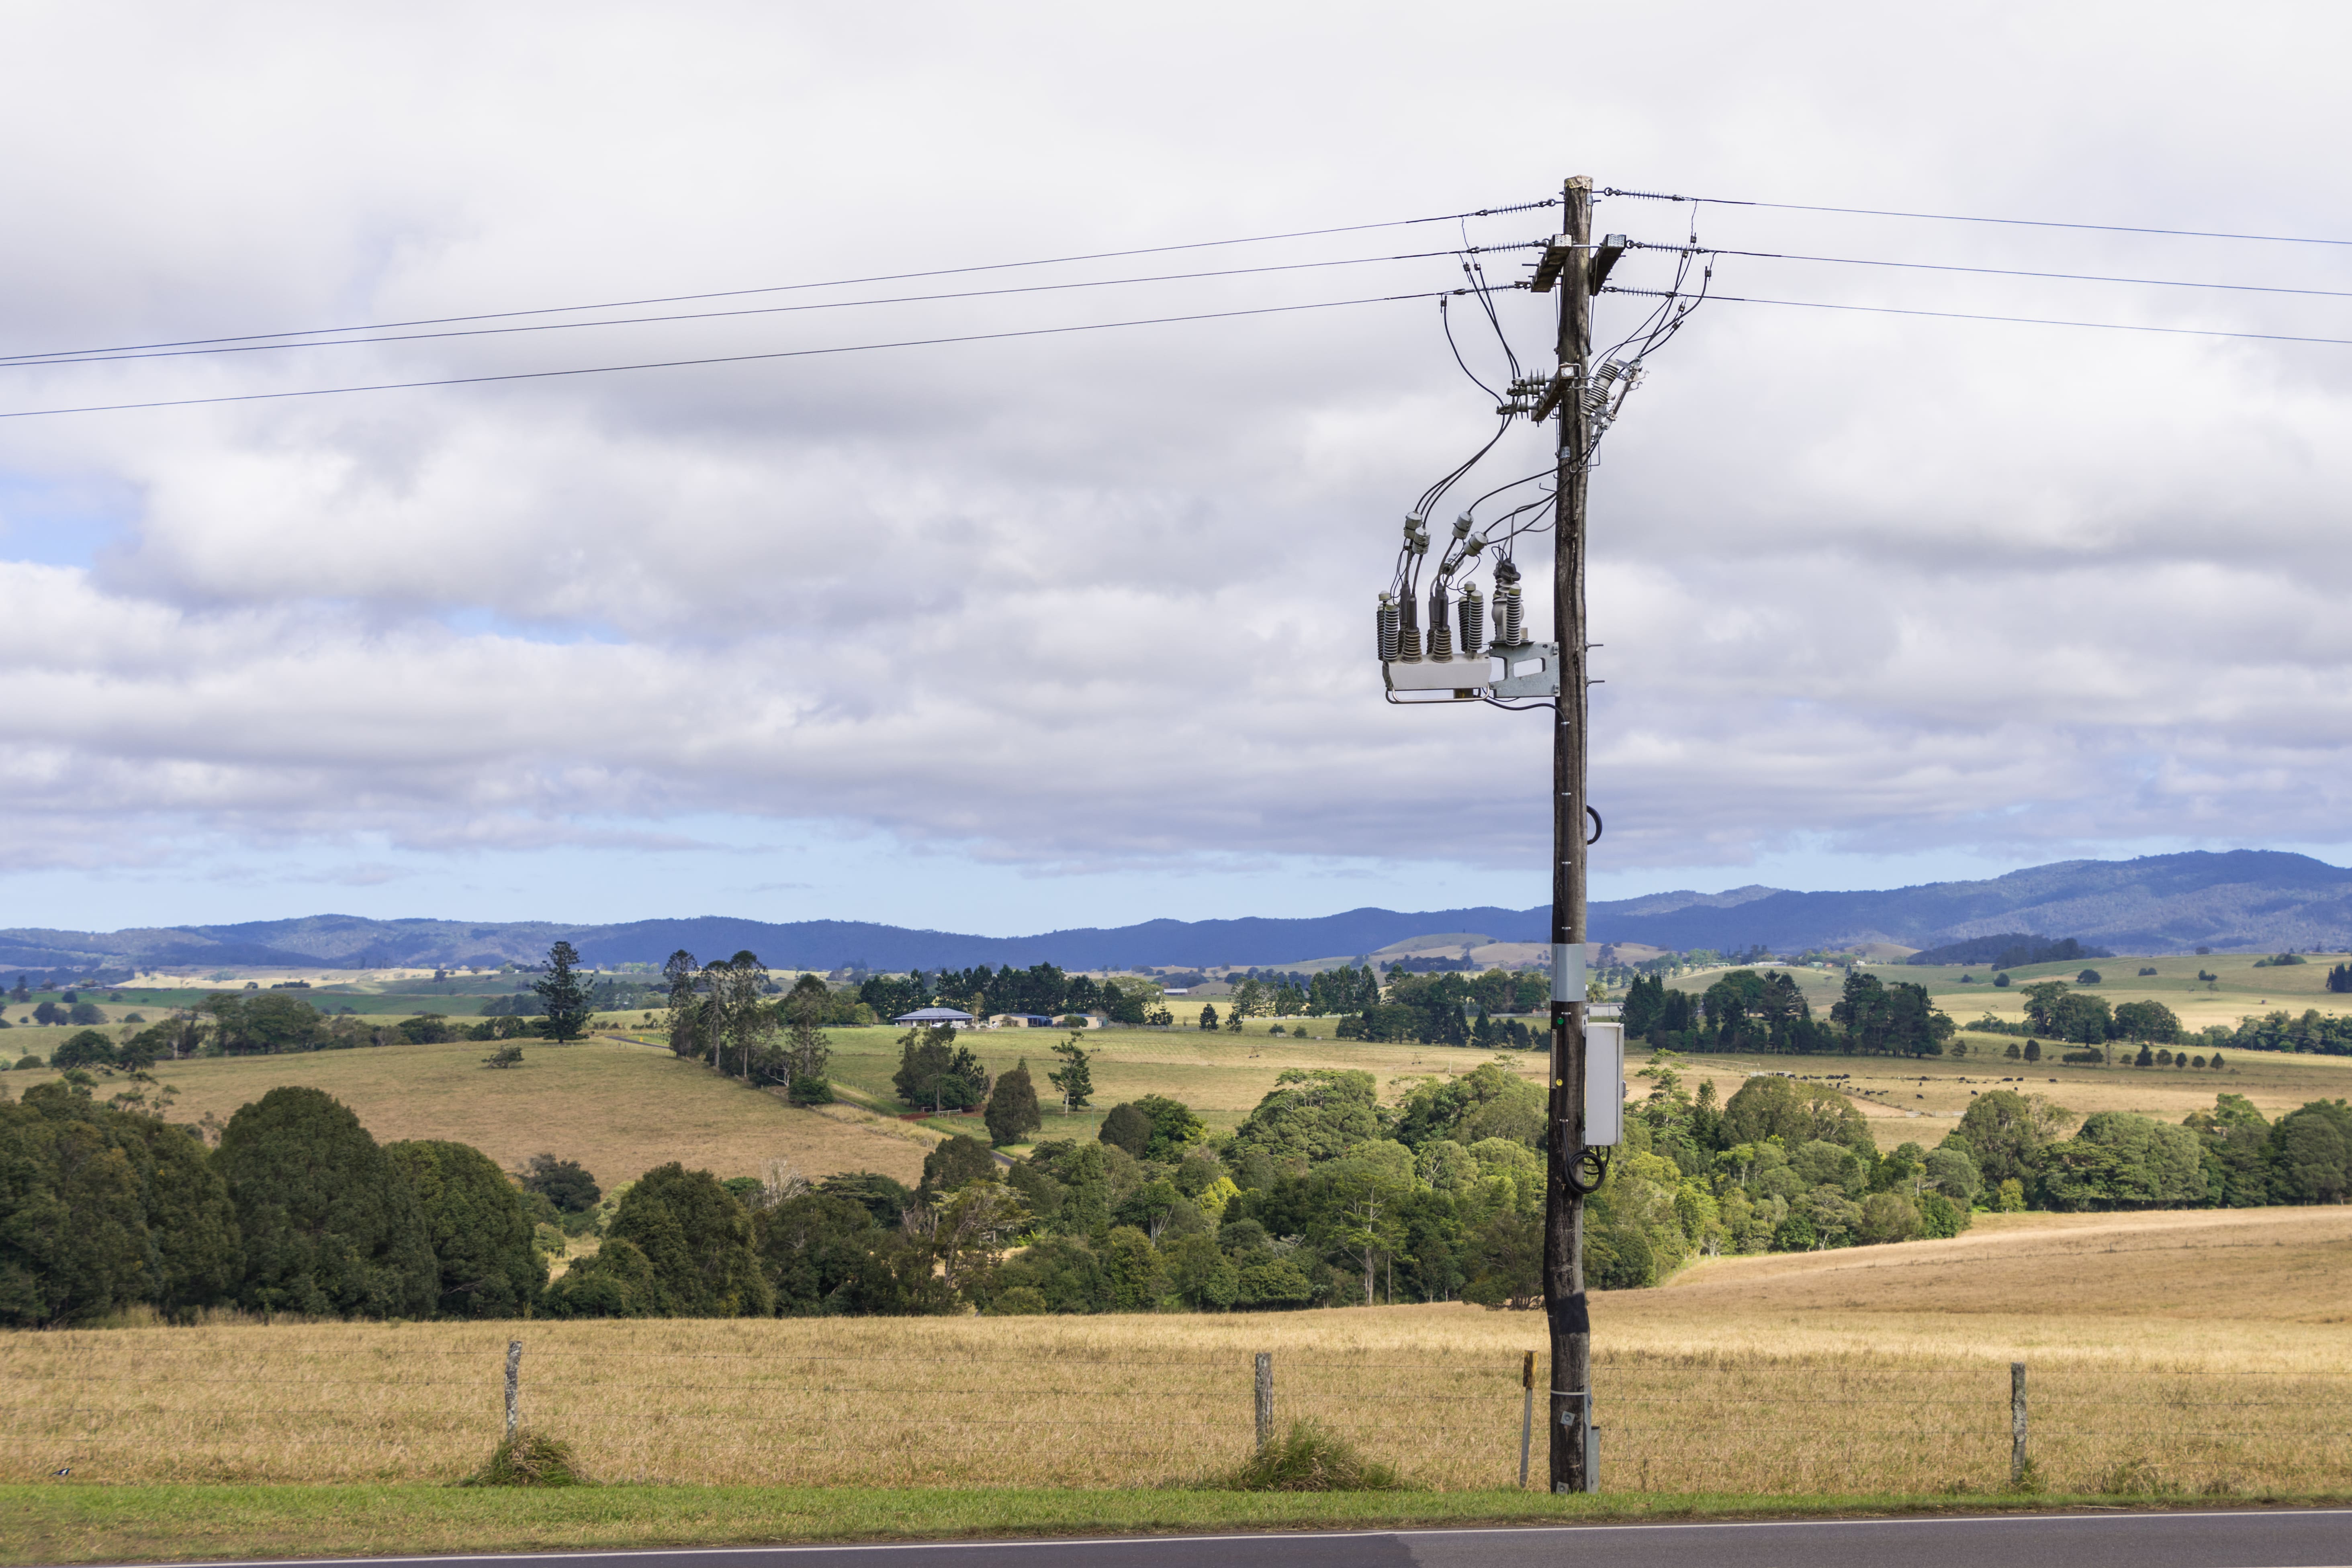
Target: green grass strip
(69, 1522)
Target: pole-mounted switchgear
(1442, 637)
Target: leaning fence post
(1265, 1397)
(2017, 1424)
(1527, 1416)
(514, 1382)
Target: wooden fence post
(514, 1384)
(2017, 1460)
(1527, 1416)
(1265, 1397)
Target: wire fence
(874, 1407)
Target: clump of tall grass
(1307, 1458)
(528, 1459)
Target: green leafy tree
(566, 1183)
(2146, 1021)
(933, 1068)
(618, 1282)
(826, 1253)
(330, 1226)
(87, 1049)
(739, 1020)
(968, 1229)
(1775, 1107)
(698, 1239)
(2042, 1001)
(73, 1241)
(2006, 1132)
(569, 1006)
(1208, 1017)
(682, 990)
(2119, 1161)
(1888, 1217)
(1175, 1131)
(481, 1232)
(2310, 1154)
(265, 1022)
(807, 1052)
(1073, 1078)
(1312, 1115)
(2084, 1020)
(1012, 1109)
(190, 1220)
(1127, 1127)
(952, 1164)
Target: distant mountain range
(2240, 899)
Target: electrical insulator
(1408, 632)
(1596, 391)
(1508, 633)
(1441, 627)
(1472, 615)
(1385, 621)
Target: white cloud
(1095, 606)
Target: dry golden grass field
(618, 1107)
(1919, 1102)
(621, 1107)
(2202, 1353)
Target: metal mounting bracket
(1530, 670)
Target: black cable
(99, 357)
(1446, 321)
(716, 359)
(2015, 320)
(2006, 271)
(1967, 217)
(792, 288)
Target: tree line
(1447, 1009)
(1042, 988)
(1766, 1012)
(1323, 1195)
(297, 1210)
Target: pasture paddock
(2187, 1354)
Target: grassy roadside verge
(55, 1523)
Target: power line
(794, 287)
(1967, 217)
(1992, 271)
(100, 357)
(2017, 320)
(718, 359)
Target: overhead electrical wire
(793, 288)
(2014, 320)
(1998, 271)
(717, 358)
(1969, 217)
(102, 357)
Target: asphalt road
(2317, 1538)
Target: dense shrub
(1307, 1458)
(1127, 1127)
(697, 1239)
(480, 1231)
(330, 1226)
(1011, 1111)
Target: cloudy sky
(1073, 629)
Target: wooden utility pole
(1571, 1331)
